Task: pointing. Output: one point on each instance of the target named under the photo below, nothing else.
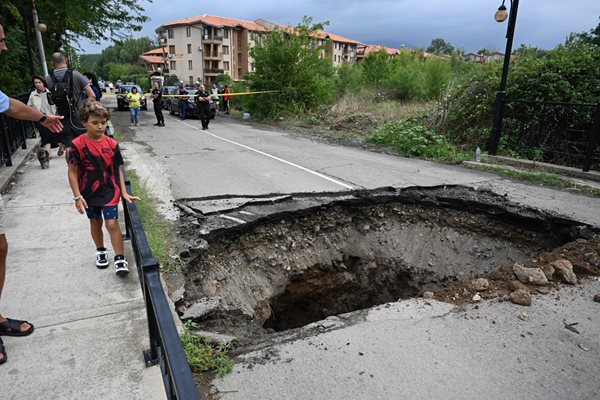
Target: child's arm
(128, 198)
(80, 203)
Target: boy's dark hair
(3, 22)
(93, 108)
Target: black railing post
(501, 95)
(593, 141)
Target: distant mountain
(393, 43)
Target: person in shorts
(98, 184)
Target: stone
(201, 309)
(534, 276)
(516, 285)
(428, 295)
(597, 298)
(564, 271)
(524, 317)
(593, 258)
(216, 338)
(548, 270)
(480, 284)
(521, 297)
(477, 297)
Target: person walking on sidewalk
(157, 102)
(15, 109)
(135, 100)
(203, 101)
(97, 183)
(40, 100)
(227, 100)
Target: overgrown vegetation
(204, 356)
(158, 231)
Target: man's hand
(53, 123)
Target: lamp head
(501, 14)
(41, 27)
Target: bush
(413, 139)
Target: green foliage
(375, 67)
(204, 356)
(413, 139)
(224, 79)
(158, 231)
(289, 61)
(128, 73)
(15, 79)
(125, 52)
(88, 62)
(440, 46)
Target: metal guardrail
(554, 132)
(165, 346)
(13, 134)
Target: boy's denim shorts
(109, 212)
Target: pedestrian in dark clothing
(94, 84)
(203, 101)
(157, 102)
(183, 102)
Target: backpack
(62, 92)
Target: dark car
(192, 110)
(166, 92)
(122, 94)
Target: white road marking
(246, 213)
(241, 221)
(273, 157)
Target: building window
(171, 49)
(191, 78)
(225, 33)
(206, 33)
(172, 65)
(190, 65)
(189, 48)
(188, 31)
(226, 50)
(226, 65)
(170, 33)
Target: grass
(540, 178)
(204, 356)
(158, 231)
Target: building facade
(199, 49)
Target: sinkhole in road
(293, 267)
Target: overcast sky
(466, 24)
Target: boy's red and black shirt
(98, 165)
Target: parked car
(168, 90)
(122, 94)
(192, 107)
(101, 85)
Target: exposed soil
(293, 265)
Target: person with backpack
(67, 88)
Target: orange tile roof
(371, 48)
(153, 59)
(336, 38)
(217, 21)
(156, 51)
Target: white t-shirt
(4, 102)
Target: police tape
(194, 95)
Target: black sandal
(12, 327)
(3, 352)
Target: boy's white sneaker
(121, 267)
(102, 258)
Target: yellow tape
(193, 95)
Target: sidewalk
(90, 325)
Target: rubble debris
(521, 297)
(534, 276)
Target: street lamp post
(500, 16)
(39, 28)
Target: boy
(97, 182)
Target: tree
(290, 62)
(376, 67)
(440, 46)
(125, 52)
(69, 21)
(591, 37)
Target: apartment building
(363, 50)
(153, 60)
(201, 48)
(337, 48)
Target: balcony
(212, 55)
(212, 38)
(213, 71)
